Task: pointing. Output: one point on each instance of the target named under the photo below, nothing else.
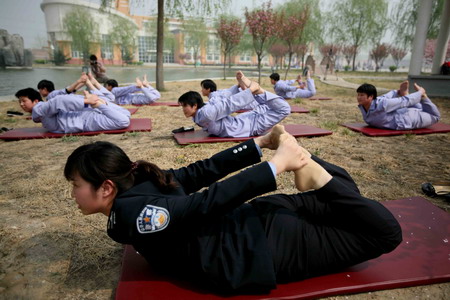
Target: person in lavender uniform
(285, 89)
(47, 88)
(141, 93)
(214, 115)
(397, 110)
(74, 113)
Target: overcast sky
(26, 18)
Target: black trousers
(325, 230)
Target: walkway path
(339, 81)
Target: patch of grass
(330, 125)
(132, 134)
(348, 132)
(180, 159)
(70, 139)
(10, 120)
(298, 101)
(409, 136)
(383, 169)
(316, 152)
(314, 111)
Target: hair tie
(134, 166)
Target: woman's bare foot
(404, 87)
(138, 82)
(246, 83)
(312, 176)
(145, 81)
(272, 139)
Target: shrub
(59, 58)
(347, 68)
(40, 61)
(392, 68)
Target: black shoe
(4, 129)
(183, 129)
(11, 113)
(437, 189)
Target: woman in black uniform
(215, 237)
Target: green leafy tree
(404, 19)
(196, 35)
(82, 28)
(123, 33)
(353, 23)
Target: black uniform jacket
(212, 236)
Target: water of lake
(12, 80)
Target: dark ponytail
(147, 171)
(99, 161)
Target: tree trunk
(353, 64)
(160, 47)
(259, 68)
(224, 65)
(289, 66)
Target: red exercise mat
(42, 133)
(133, 110)
(422, 258)
(372, 131)
(294, 109)
(157, 104)
(200, 136)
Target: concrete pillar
(442, 40)
(418, 46)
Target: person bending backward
(214, 116)
(209, 89)
(215, 237)
(286, 90)
(129, 94)
(397, 110)
(47, 89)
(74, 113)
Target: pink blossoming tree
(397, 54)
(290, 30)
(261, 26)
(230, 31)
(379, 54)
(278, 51)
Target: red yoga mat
(422, 258)
(372, 131)
(159, 104)
(200, 136)
(294, 109)
(42, 133)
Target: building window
(213, 50)
(107, 49)
(245, 57)
(76, 53)
(147, 50)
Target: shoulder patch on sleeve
(152, 219)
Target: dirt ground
(49, 250)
